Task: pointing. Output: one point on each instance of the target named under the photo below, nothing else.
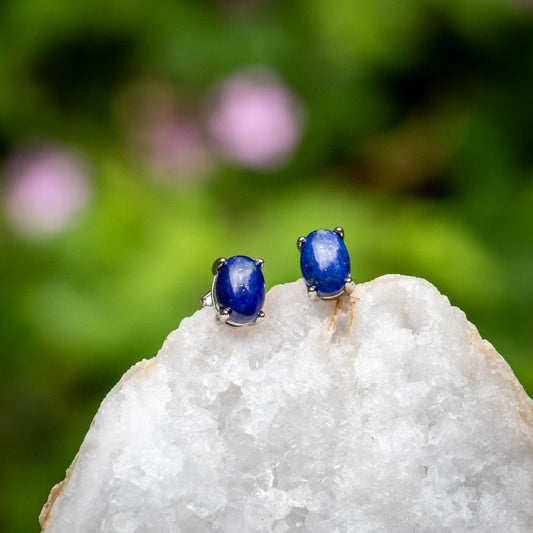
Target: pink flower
(254, 119)
(164, 134)
(172, 147)
(46, 187)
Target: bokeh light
(164, 134)
(46, 187)
(254, 119)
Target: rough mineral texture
(382, 411)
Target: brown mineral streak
(140, 370)
(56, 491)
(147, 365)
(352, 312)
(334, 317)
(523, 402)
(498, 365)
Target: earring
(325, 264)
(238, 290)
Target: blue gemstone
(325, 262)
(240, 288)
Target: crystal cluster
(382, 411)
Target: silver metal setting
(210, 299)
(217, 265)
(223, 316)
(339, 231)
(300, 242)
(349, 285)
(207, 300)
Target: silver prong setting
(260, 316)
(260, 263)
(339, 231)
(218, 264)
(311, 292)
(207, 300)
(223, 315)
(300, 242)
(349, 285)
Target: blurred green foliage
(417, 140)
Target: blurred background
(140, 141)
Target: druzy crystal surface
(383, 411)
(325, 262)
(240, 287)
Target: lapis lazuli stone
(325, 262)
(240, 288)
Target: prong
(223, 315)
(339, 231)
(217, 265)
(349, 285)
(260, 263)
(300, 243)
(311, 292)
(207, 299)
(260, 316)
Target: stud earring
(325, 264)
(238, 290)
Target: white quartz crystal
(380, 412)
